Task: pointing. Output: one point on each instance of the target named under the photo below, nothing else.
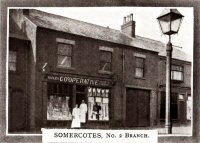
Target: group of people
(79, 115)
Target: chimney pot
(128, 16)
(131, 17)
(124, 20)
(128, 26)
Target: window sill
(65, 68)
(105, 72)
(177, 81)
(143, 78)
(98, 121)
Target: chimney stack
(128, 26)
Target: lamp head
(170, 21)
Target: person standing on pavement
(83, 112)
(76, 117)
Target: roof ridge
(150, 40)
(64, 17)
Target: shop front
(61, 93)
(180, 107)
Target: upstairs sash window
(177, 73)
(105, 60)
(139, 68)
(64, 54)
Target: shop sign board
(79, 80)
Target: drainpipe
(122, 88)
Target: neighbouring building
(56, 62)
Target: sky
(145, 18)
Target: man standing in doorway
(83, 110)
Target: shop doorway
(81, 93)
(137, 107)
(182, 111)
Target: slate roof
(60, 23)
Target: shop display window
(59, 102)
(98, 104)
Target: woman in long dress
(76, 122)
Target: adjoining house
(56, 62)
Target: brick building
(56, 62)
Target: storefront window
(59, 104)
(98, 104)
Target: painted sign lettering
(79, 80)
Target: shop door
(17, 112)
(182, 111)
(80, 94)
(137, 108)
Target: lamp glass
(175, 25)
(170, 21)
(165, 26)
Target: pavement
(177, 129)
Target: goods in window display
(90, 107)
(107, 92)
(94, 92)
(98, 99)
(98, 104)
(58, 108)
(98, 91)
(89, 91)
(103, 93)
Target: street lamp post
(169, 22)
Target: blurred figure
(76, 117)
(96, 109)
(83, 110)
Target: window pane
(64, 49)
(139, 72)
(139, 62)
(106, 56)
(176, 75)
(105, 66)
(177, 68)
(12, 66)
(64, 61)
(12, 56)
